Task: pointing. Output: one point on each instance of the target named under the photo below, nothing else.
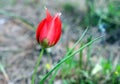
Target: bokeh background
(19, 49)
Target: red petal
(40, 26)
(48, 17)
(55, 30)
(44, 31)
(58, 30)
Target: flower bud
(49, 30)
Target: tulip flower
(49, 30)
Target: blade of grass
(27, 23)
(81, 54)
(70, 51)
(84, 33)
(67, 57)
(53, 77)
(2, 69)
(88, 63)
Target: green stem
(81, 59)
(37, 65)
(81, 54)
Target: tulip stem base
(36, 66)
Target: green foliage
(89, 73)
(106, 15)
(67, 59)
(68, 7)
(102, 72)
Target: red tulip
(49, 30)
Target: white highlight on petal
(59, 14)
